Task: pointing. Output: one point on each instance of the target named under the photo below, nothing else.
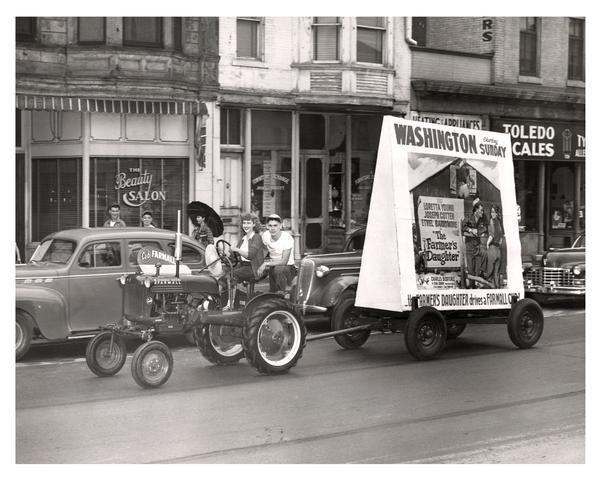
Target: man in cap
(280, 263)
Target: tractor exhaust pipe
(178, 244)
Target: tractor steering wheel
(225, 254)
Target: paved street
(483, 401)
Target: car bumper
(552, 290)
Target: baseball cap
(274, 216)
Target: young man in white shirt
(281, 255)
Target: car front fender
(46, 307)
(332, 292)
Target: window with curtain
(248, 35)
(370, 33)
(576, 49)
(91, 30)
(528, 46)
(55, 195)
(419, 30)
(326, 32)
(142, 32)
(25, 29)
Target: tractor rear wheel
(274, 336)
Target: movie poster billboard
(442, 221)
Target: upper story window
(528, 47)
(231, 126)
(576, 49)
(26, 29)
(369, 39)
(177, 34)
(91, 30)
(419, 30)
(142, 32)
(248, 37)
(326, 33)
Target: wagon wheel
(425, 333)
(106, 354)
(344, 316)
(525, 323)
(152, 364)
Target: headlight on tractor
(321, 271)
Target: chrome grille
(547, 277)
(305, 279)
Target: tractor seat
(250, 284)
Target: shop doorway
(313, 196)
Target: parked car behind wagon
(560, 275)
(69, 287)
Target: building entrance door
(313, 217)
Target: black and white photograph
(343, 244)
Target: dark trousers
(243, 272)
(280, 277)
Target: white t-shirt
(276, 247)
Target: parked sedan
(69, 288)
(561, 274)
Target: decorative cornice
(515, 92)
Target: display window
(55, 195)
(137, 185)
(561, 177)
(271, 165)
(365, 140)
(527, 188)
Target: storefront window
(562, 196)
(581, 211)
(365, 140)
(526, 185)
(158, 185)
(271, 165)
(56, 196)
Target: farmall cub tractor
(166, 297)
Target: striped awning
(110, 105)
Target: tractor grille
(166, 286)
(134, 301)
(547, 277)
(305, 279)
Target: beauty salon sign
(136, 188)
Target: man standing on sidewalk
(281, 255)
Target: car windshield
(579, 242)
(54, 250)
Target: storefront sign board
(543, 140)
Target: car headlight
(147, 282)
(576, 270)
(321, 271)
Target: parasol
(212, 218)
